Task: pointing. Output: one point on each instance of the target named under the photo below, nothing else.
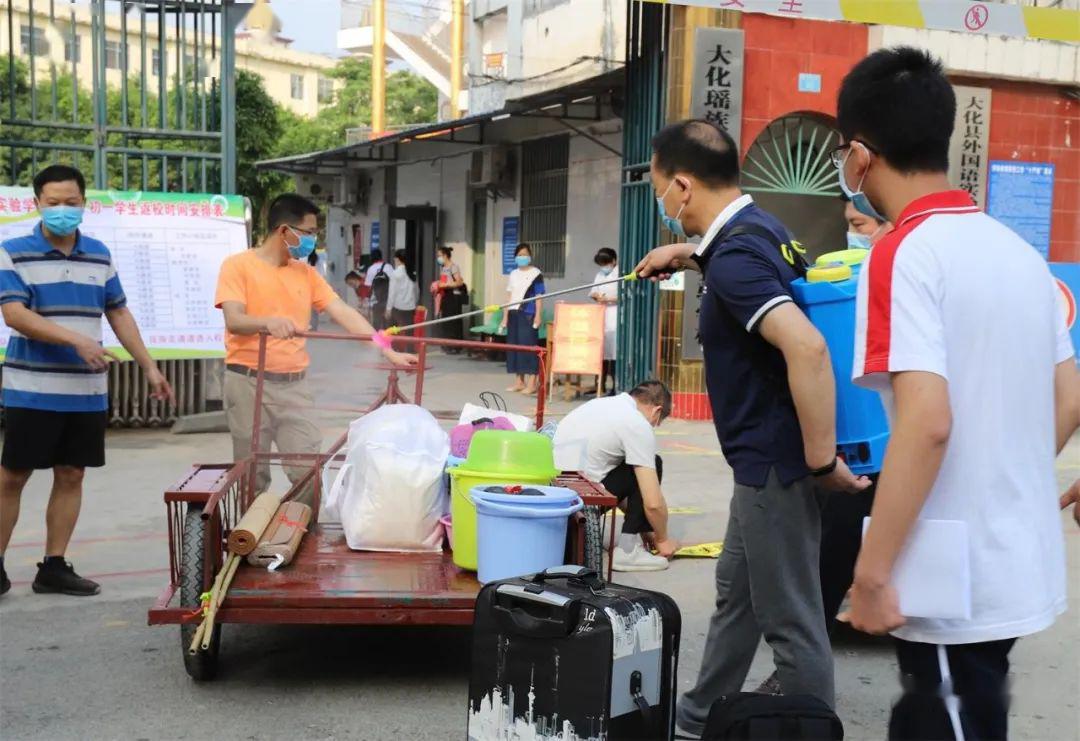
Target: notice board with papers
(167, 248)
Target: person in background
(979, 407)
(401, 302)
(863, 231)
(611, 441)
(55, 284)
(522, 324)
(272, 289)
(355, 283)
(607, 296)
(377, 285)
(773, 396)
(452, 293)
(313, 261)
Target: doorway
(478, 243)
(415, 229)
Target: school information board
(167, 247)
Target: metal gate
(139, 95)
(645, 94)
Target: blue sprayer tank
(827, 295)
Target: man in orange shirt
(272, 288)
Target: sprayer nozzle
(631, 277)
(492, 308)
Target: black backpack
(750, 716)
(380, 285)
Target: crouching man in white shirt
(611, 441)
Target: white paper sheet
(932, 576)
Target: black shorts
(36, 439)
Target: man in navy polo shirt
(55, 283)
(772, 393)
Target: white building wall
(592, 209)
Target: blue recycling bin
(827, 295)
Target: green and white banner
(168, 248)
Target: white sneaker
(638, 559)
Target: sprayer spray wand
(382, 337)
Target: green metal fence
(645, 95)
(137, 94)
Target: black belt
(267, 375)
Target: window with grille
(34, 43)
(326, 90)
(112, 55)
(296, 84)
(72, 47)
(544, 164)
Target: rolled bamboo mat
(245, 536)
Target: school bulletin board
(167, 248)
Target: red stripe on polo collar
(945, 202)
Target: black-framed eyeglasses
(838, 154)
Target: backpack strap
(791, 250)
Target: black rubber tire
(594, 539)
(201, 666)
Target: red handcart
(327, 583)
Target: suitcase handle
(519, 620)
(586, 576)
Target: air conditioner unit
(496, 171)
(321, 188)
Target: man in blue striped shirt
(55, 284)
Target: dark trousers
(378, 316)
(623, 485)
(841, 537)
(979, 678)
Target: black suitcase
(564, 655)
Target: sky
(312, 24)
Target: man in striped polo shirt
(55, 283)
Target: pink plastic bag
(461, 436)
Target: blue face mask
(856, 241)
(858, 198)
(523, 261)
(671, 223)
(607, 270)
(304, 248)
(61, 220)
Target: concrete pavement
(91, 668)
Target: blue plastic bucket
(521, 534)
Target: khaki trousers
(284, 421)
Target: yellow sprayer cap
(845, 257)
(828, 273)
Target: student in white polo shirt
(611, 440)
(957, 327)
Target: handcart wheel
(203, 665)
(594, 539)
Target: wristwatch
(825, 470)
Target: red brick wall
(777, 50)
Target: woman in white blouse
(401, 300)
(608, 297)
(522, 322)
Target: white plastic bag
(390, 492)
(473, 412)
